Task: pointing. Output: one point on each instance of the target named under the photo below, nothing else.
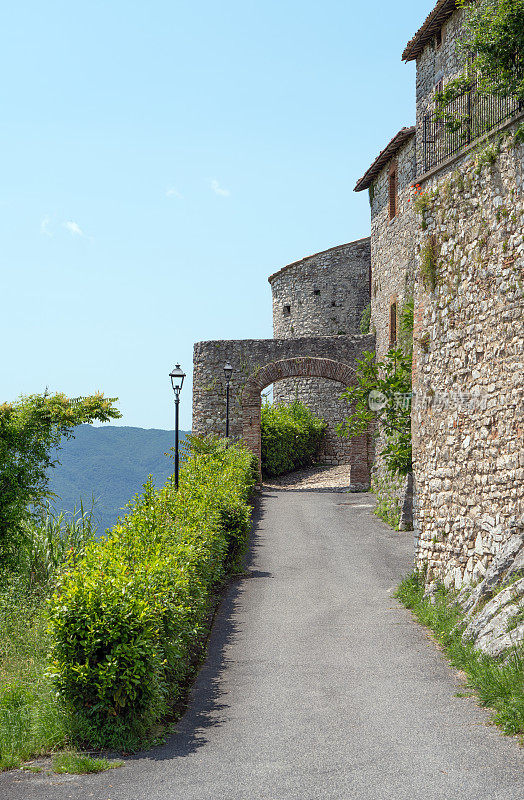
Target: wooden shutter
(393, 191)
(392, 324)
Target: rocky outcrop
(495, 607)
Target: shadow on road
(205, 708)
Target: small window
(287, 311)
(392, 324)
(316, 292)
(393, 191)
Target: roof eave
(390, 150)
(432, 24)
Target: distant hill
(110, 463)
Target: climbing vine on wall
(492, 43)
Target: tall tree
(29, 429)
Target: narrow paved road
(318, 684)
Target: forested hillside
(109, 463)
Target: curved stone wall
(322, 295)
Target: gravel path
(303, 480)
(318, 685)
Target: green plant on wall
(492, 46)
(365, 320)
(487, 155)
(518, 136)
(428, 263)
(382, 394)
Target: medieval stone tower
(322, 295)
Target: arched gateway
(259, 363)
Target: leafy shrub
(291, 436)
(382, 394)
(129, 618)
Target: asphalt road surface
(318, 685)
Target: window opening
(392, 324)
(393, 191)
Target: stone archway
(301, 367)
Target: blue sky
(160, 160)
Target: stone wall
(393, 264)
(468, 415)
(436, 64)
(393, 257)
(322, 295)
(250, 357)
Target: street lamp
(177, 379)
(228, 371)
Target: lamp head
(228, 371)
(177, 376)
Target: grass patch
(386, 491)
(30, 720)
(388, 510)
(497, 685)
(80, 764)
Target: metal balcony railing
(464, 119)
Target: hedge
(291, 436)
(128, 619)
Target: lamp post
(177, 379)
(228, 371)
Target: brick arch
(302, 367)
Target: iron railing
(463, 120)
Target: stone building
(446, 230)
(447, 214)
(322, 295)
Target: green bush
(291, 436)
(128, 620)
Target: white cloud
(74, 228)
(215, 186)
(44, 226)
(172, 192)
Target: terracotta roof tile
(386, 155)
(432, 24)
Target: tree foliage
(494, 35)
(492, 44)
(29, 429)
(382, 395)
(381, 398)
